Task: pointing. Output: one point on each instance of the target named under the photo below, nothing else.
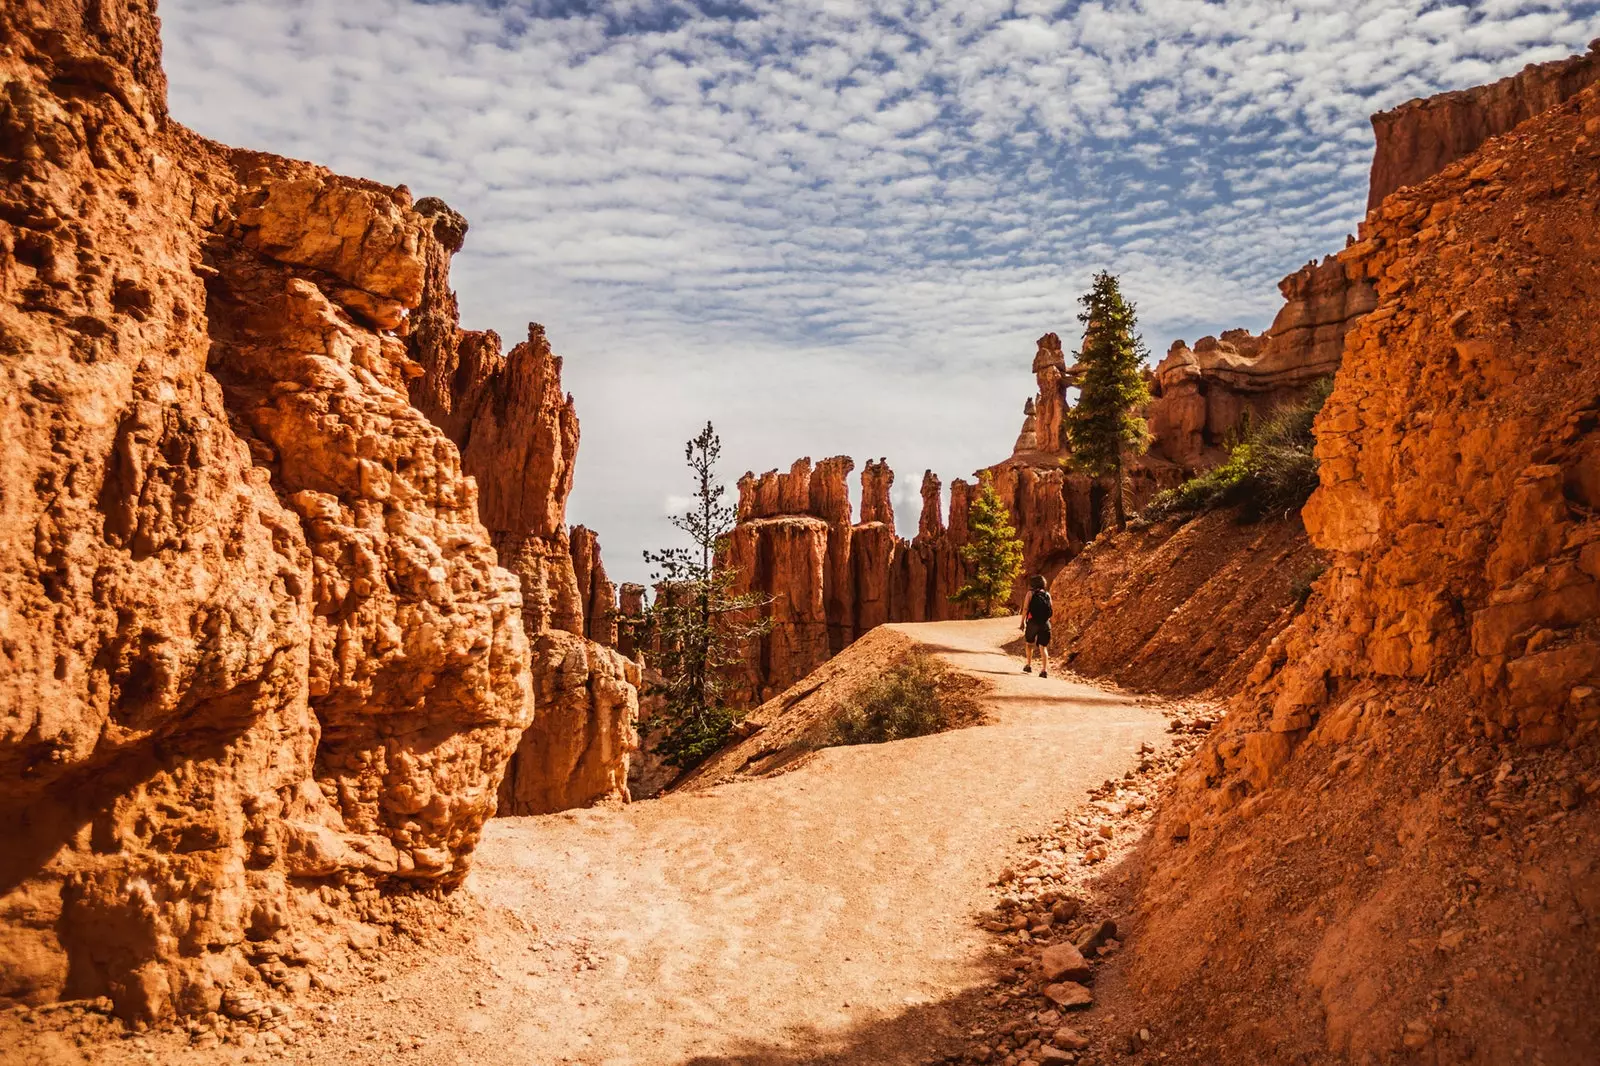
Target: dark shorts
(1037, 633)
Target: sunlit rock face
(261, 670)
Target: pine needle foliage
(993, 550)
(697, 624)
(1105, 427)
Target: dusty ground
(827, 914)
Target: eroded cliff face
(517, 432)
(1201, 397)
(1408, 783)
(1419, 139)
(261, 671)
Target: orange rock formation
(1420, 138)
(1407, 784)
(262, 669)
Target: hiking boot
(1044, 673)
(1027, 668)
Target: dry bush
(913, 698)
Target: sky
(838, 226)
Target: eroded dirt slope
(1181, 607)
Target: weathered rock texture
(1418, 139)
(518, 435)
(577, 751)
(1408, 783)
(1202, 397)
(596, 594)
(517, 431)
(258, 666)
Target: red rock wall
(1420, 138)
(1407, 782)
(518, 435)
(260, 667)
(1200, 398)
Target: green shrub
(1271, 469)
(903, 701)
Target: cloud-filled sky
(838, 226)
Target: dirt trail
(825, 913)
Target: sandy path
(785, 913)
(826, 913)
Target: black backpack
(1039, 606)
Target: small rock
(1095, 935)
(1065, 910)
(1069, 994)
(1070, 1039)
(1064, 962)
(1418, 1034)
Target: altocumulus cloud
(836, 226)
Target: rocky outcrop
(577, 751)
(1459, 548)
(518, 436)
(1202, 397)
(260, 669)
(1416, 752)
(1419, 139)
(517, 431)
(596, 594)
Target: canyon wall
(263, 669)
(1420, 138)
(1409, 780)
(517, 433)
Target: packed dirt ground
(834, 913)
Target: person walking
(1036, 626)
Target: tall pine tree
(993, 550)
(1105, 428)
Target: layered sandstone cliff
(1418, 139)
(260, 667)
(1409, 781)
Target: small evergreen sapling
(993, 550)
(697, 624)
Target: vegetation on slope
(910, 699)
(1273, 469)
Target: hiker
(1036, 626)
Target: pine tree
(993, 550)
(697, 624)
(1105, 427)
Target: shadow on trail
(914, 1035)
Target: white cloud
(837, 226)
